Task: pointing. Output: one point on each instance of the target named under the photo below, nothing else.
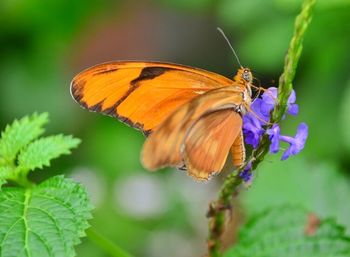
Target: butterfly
(192, 117)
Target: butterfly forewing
(142, 94)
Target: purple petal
(256, 104)
(270, 96)
(293, 109)
(286, 154)
(246, 175)
(250, 122)
(251, 138)
(292, 98)
(252, 130)
(274, 134)
(302, 133)
(256, 108)
(297, 143)
(266, 109)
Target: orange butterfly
(192, 117)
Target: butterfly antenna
(228, 42)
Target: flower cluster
(254, 124)
(255, 121)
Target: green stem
(105, 244)
(24, 182)
(302, 22)
(19, 176)
(218, 207)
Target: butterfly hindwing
(238, 151)
(207, 144)
(165, 146)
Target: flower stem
(285, 87)
(106, 245)
(217, 208)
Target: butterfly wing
(141, 94)
(165, 146)
(208, 143)
(238, 151)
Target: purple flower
(252, 126)
(257, 107)
(246, 175)
(274, 135)
(297, 143)
(254, 122)
(292, 107)
(269, 98)
(252, 130)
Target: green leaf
(281, 232)
(319, 186)
(20, 133)
(41, 151)
(46, 220)
(5, 172)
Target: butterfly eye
(246, 76)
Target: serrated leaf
(321, 187)
(46, 220)
(281, 232)
(43, 150)
(20, 133)
(5, 172)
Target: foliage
(45, 220)
(19, 153)
(19, 134)
(38, 220)
(290, 231)
(321, 187)
(39, 153)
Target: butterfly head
(244, 77)
(247, 76)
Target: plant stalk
(218, 208)
(106, 245)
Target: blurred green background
(43, 44)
